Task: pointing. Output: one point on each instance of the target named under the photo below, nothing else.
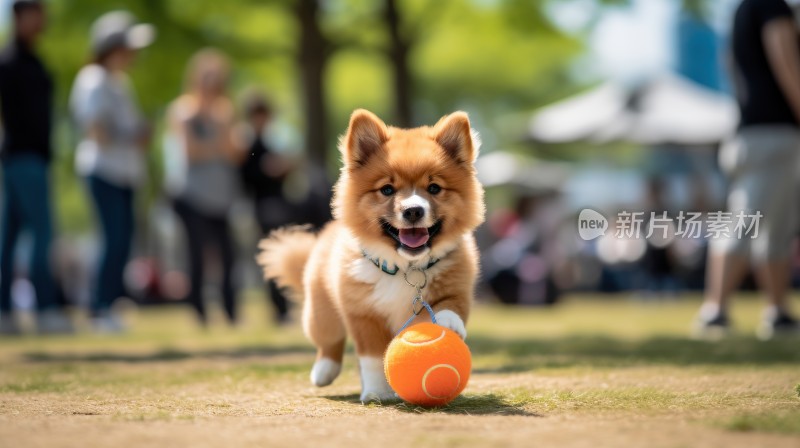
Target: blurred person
(202, 163)
(26, 100)
(263, 173)
(520, 266)
(658, 260)
(760, 162)
(111, 153)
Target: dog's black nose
(413, 214)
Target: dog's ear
(454, 133)
(365, 137)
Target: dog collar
(383, 265)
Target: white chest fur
(391, 295)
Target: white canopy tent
(667, 110)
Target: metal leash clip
(418, 303)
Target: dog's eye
(434, 188)
(387, 190)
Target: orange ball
(427, 364)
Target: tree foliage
(494, 58)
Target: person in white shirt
(110, 155)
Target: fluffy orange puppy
(406, 200)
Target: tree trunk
(398, 54)
(312, 60)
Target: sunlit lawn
(591, 371)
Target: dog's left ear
(454, 133)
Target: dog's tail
(283, 256)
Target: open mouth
(412, 239)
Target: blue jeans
(114, 208)
(26, 206)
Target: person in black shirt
(764, 47)
(26, 92)
(761, 165)
(263, 173)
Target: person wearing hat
(110, 155)
(26, 97)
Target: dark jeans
(201, 230)
(26, 206)
(114, 208)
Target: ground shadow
(471, 404)
(518, 354)
(168, 354)
(531, 353)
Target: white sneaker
(9, 326)
(777, 323)
(53, 322)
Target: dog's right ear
(365, 137)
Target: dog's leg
(328, 364)
(371, 336)
(323, 326)
(452, 313)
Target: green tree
(409, 61)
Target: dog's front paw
(374, 387)
(451, 320)
(378, 396)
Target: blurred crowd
(702, 152)
(213, 147)
(533, 249)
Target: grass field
(590, 372)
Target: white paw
(374, 387)
(325, 370)
(451, 320)
(378, 396)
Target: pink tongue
(414, 238)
